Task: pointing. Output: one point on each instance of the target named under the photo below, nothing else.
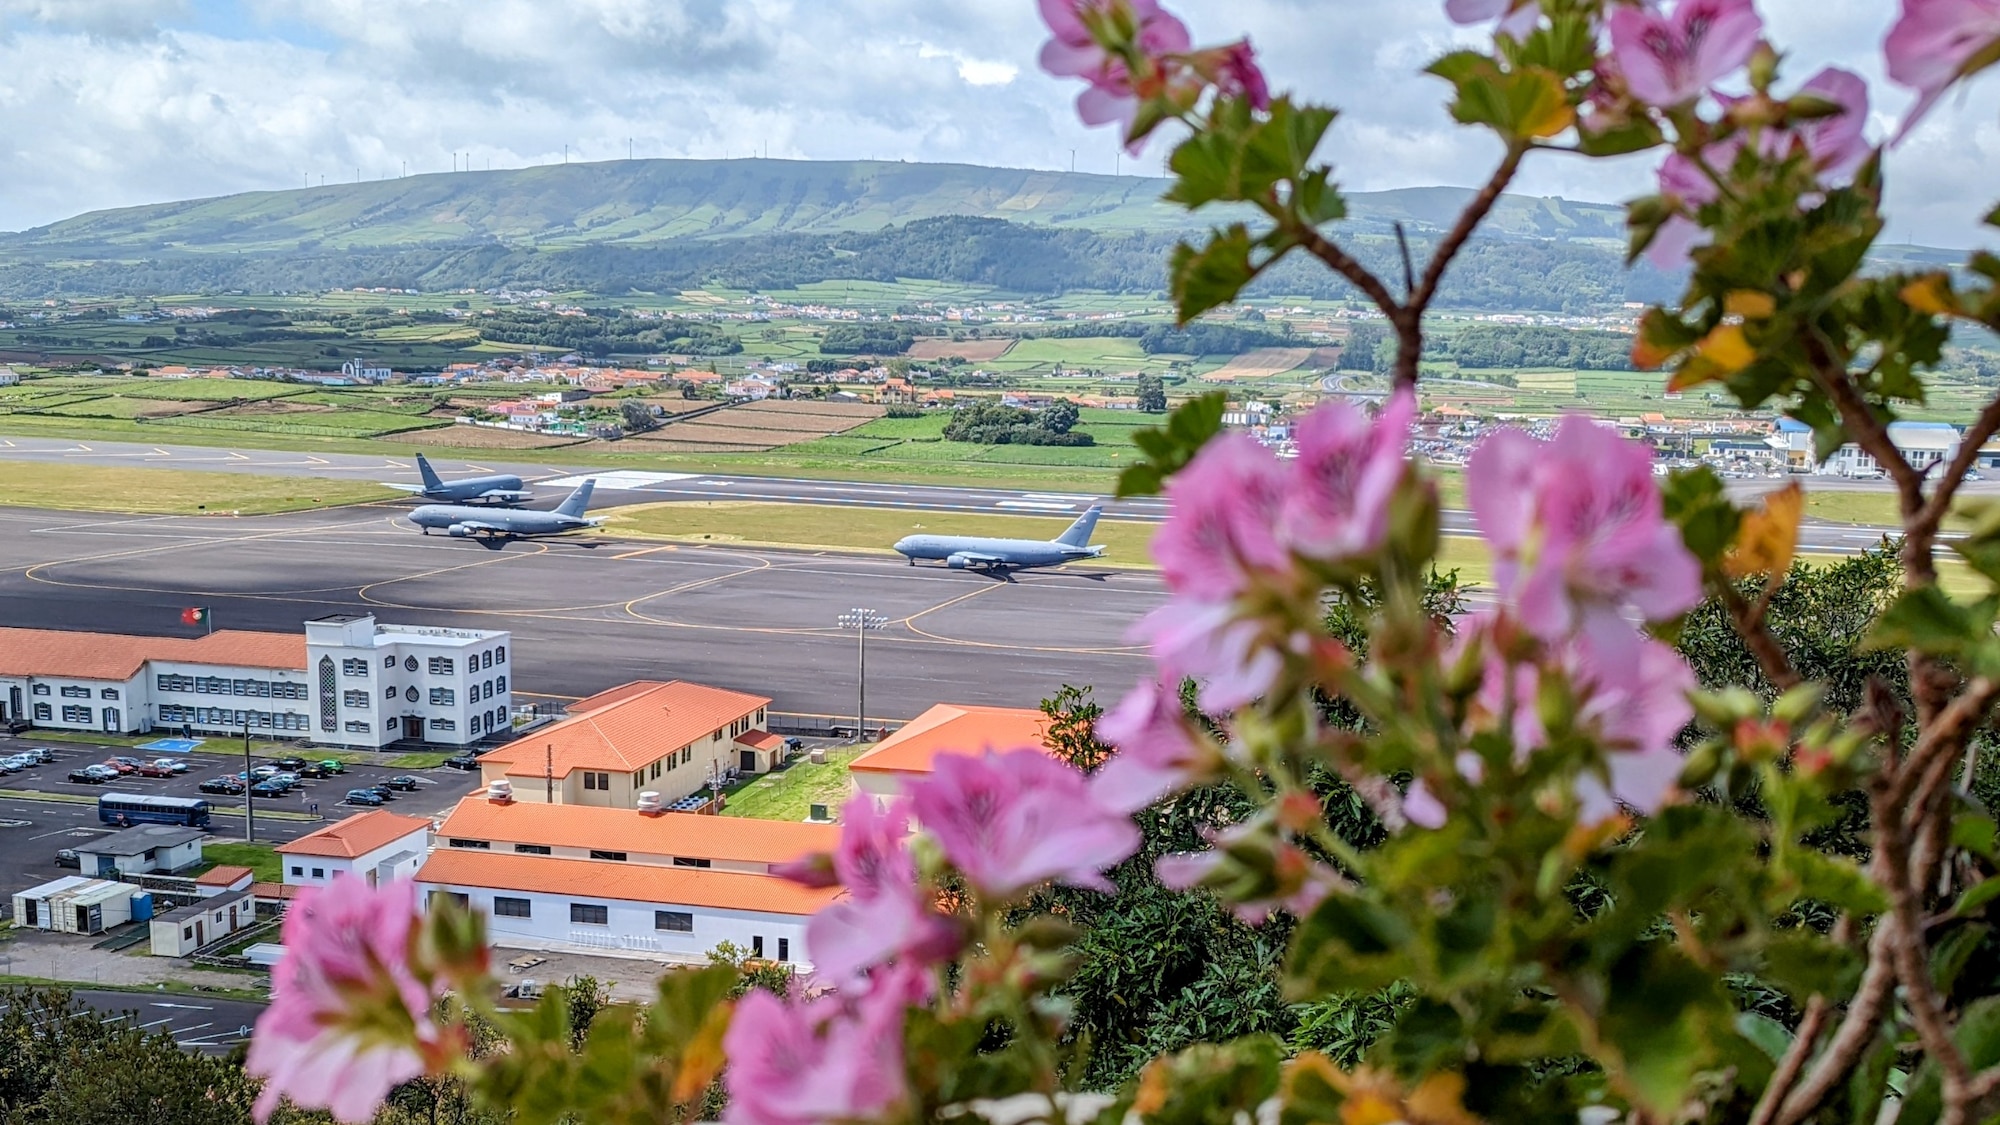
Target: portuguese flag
(195, 615)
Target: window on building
(717, 736)
(71, 691)
(73, 713)
(409, 663)
(589, 780)
(532, 849)
(389, 723)
(686, 861)
(443, 724)
(40, 689)
(320, 873)
(756, 945)
(584, 914)
(187, 933)
(784, 949)
(107, 693)
(442, 666)
(41, 712)
(687, 754)
(298, 871)
(389, 692)
(638, 779)
(599, 853)
(512, 907)
(760, 714)
(389, 661)
(673, 921)
(458, 843)
(656, 769)
(354, 666)
(356, 726)
(462, 900)
(500, 655)
(354, 698)
(443, 697)
(500, 683)
(327, 703)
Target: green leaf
(1347, 944)
(1211, 1084)
(1768, 1034)
(1973, 829)
(1316, 201)
(1213, 275)
(1868, 1086)
(1696, 501)
(1167, 449)
(1976, 897)
(1621, 139)
(1980, 546)
(1660, 1015)
(1926, 620)
(1522, 104)
(1978, 1036)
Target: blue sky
(114, 102)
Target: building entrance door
(413, 727)
(749, 761)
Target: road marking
(1055, 496)
(183, 1007)
(628, 480)
(644, 551)
(1035, 505)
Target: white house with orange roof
(493, 822)
(665, 738)
(377, 846)
(947, 728)
(112, 682)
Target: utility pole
(863, 622)
(249, 813)
(565, 154)
(549, 773)
(1072, 160)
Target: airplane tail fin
(577, 502)
(1078, 534)
(430, 475)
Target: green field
(259, 858)
(93, 488)
(789, 794)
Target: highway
(618, 487)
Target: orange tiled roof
(609, 696)
(954, 728)
(761, 740)
(691, 835)
(356, 835)
(626, 882)
(118, 656)
(636, 729)
(221, 875)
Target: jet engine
(459, 530)
(960, 562)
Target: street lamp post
(862, 621)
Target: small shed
(144, 850)
(180, 932)
(77, 904)
(223, 879)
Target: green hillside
(648, 202)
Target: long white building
(330, 685)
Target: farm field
(1261, 364)
(975, 351)
(481, 437)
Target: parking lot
(32, 830)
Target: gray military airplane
(462, 521)
(973, 552)
(500, 488)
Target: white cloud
(115, 102)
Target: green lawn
(94, 488)
(790, 794)
(260, 858)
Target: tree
(637, 415)
(1363, 341)
(1060, 416)
(1152, 394)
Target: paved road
(590, 612)
(210, 1024)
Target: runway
(619, 487)
(590, 612)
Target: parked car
(383, 791)
(154, 769)
(93, 774)
(174, 764)
(263, 773)
(363, 797)
(12, 765)
(119, 766)
(403, 782)
(66, 857)
(269, 788)
(226, 785)
(41, 754)
(127, 760)
(333, 765)
(462, 762)
(289, 764)
(314, 770)
(286, 778)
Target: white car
(174, 764)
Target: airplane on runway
(462, 521)
(500, 488)
(973, 552)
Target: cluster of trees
(990, 423)
(1194, 339)
(607, 332)
(1152, 394)
(866, 339)
(1493, 273)
(1505, 347)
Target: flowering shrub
(1601, 895)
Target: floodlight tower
(863, 622)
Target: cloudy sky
(113, 102)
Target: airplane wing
(482, 525)
(975, 559)
(505, 496)
(418, 488)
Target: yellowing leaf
(1440, 1100)
(1549, 120)
(1370, 1108)
(1750, 304)
(1769, 536)
(1727, 348)
(1931, 294)
(1647, 355)
(701, 1057)
(1693, 373)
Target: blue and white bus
(125, 810)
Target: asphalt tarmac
(590, 612)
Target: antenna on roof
(549, 772)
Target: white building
(376, 846)
(144, 850)
(75, 904)
(113, 682)
(227, 905)
(1923, 444)
(374, 684)
(639, 837)
(595, 906)
(361, 371)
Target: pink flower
(1514, 17)
(1257, 876)
(1012, 821)
(350, 1019)
(1346, 474)
(1223, 530)
(1075, 52)
(1669, 59)
(887, 913)
(1935, 43)
(1157, 751)
(1835, 144)
(1682, 181)
(1241, 77)
(1576, 531)
(1205, 641)
(802, 1062)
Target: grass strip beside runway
(856, 529)
(152, 491)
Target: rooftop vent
(649, 804)
(501, 792)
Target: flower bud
(1799, 704)
(1763, 67)
(1761, 740)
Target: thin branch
(1856, 1031)
(1909, 950)
(1475, 214)
(1345, 264)
(1942, 737)
(1409, 267)
(1933, 513)
(1750, 625)
(1818, 1011)
(1869, 431)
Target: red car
(149, 769)
(123, 767)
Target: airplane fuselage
(472, 489)
(965, 552)
(469, 520)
